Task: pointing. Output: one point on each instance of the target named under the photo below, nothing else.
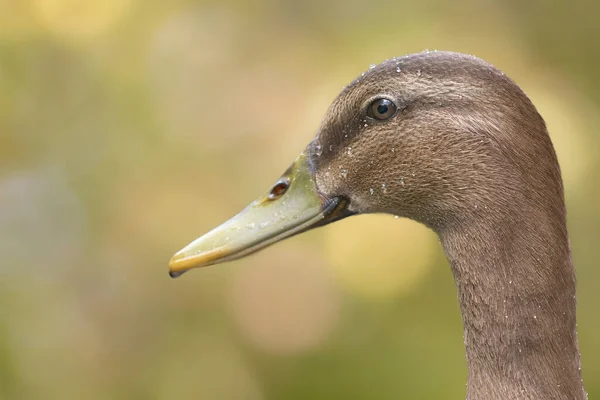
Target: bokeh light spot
(185, 63)
(285, 301)
(564, 112)
(42, 223)
(378, 256)
(76, 19)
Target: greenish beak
(292, 206)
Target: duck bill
(294, 205)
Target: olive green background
(130, 127)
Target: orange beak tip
(183, 261)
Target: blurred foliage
(127, 128)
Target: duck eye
(278, 190)
(382, 109)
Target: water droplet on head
(319, 150)
(343, 173)
(418, 72)
(372, 66)
(330, 147)
(371, 191)
(383, 188)
(401, 180)
(349, 151)
(398, 69)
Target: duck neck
(516, 287)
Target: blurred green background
(129, 127)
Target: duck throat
(516, 288)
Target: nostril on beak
(278, 190)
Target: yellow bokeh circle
(76, 19)
(379, 256)
(284, 300)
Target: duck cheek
(363, 203)
(330, 184)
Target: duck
(450, 141)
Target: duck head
(416, 136)
(449, 141)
